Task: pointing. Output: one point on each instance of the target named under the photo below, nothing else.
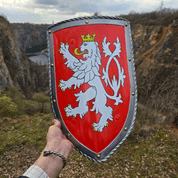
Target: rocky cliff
(15, 68)
(31, 37)
(155, 43)
(156, 60)
(155, 50)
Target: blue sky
(46, 11)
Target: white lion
(87, 71)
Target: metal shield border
(110, 149)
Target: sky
(46, 11)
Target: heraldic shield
(93, 83)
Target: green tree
(16, 96)
(96, 14)
(7, 107)
(42, 100)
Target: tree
(42, 100)
(7, 107)
(160, 9)
(96, 14)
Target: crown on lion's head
(88, 38)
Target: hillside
(157, 64)
(151, 149)
(155, 40)
(162, 17)
(15, 68)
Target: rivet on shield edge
(129, 59)
(68, 134)
(52, 65)
(49, 31)
(125, 128)
(98, 156)
(126, 24)
(86, 21)
(54, 101)
(133, 93)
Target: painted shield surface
(92, 83)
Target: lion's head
(89, 66)
(88, 49)
(91, 52)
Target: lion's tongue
(86, 52)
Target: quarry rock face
(15, 68)
(31, 37)
(155, 50)
(155, 53)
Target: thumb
(57, 123)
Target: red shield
(92, 80)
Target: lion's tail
(116, 98)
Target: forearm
(52, 164)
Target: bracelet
(47, 152)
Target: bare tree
(161, 8)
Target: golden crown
(88, 38)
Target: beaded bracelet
(47, 152)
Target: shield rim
(112, 147)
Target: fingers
(57, 123)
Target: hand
(57, 142)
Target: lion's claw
(98, 127)
(69, 110)
(64, 50)
(63, 85)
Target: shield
(93, 83)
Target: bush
(7, 107)
(42, 100)
(16, 97)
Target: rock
(161, 119)
(32, 37)
(15, 68)
(155, 50)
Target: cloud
(86, 8)
(57, 10)
(70, 7)
(118, 7)
(20, 16)
(47, 2)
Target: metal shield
(92, 82)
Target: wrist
(54, 146)
(47, 152)
(51, 164)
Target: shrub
(42, 100)
(7, 107)
(16, 97)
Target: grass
(157, 157)
(26, 129)
(149, 151)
